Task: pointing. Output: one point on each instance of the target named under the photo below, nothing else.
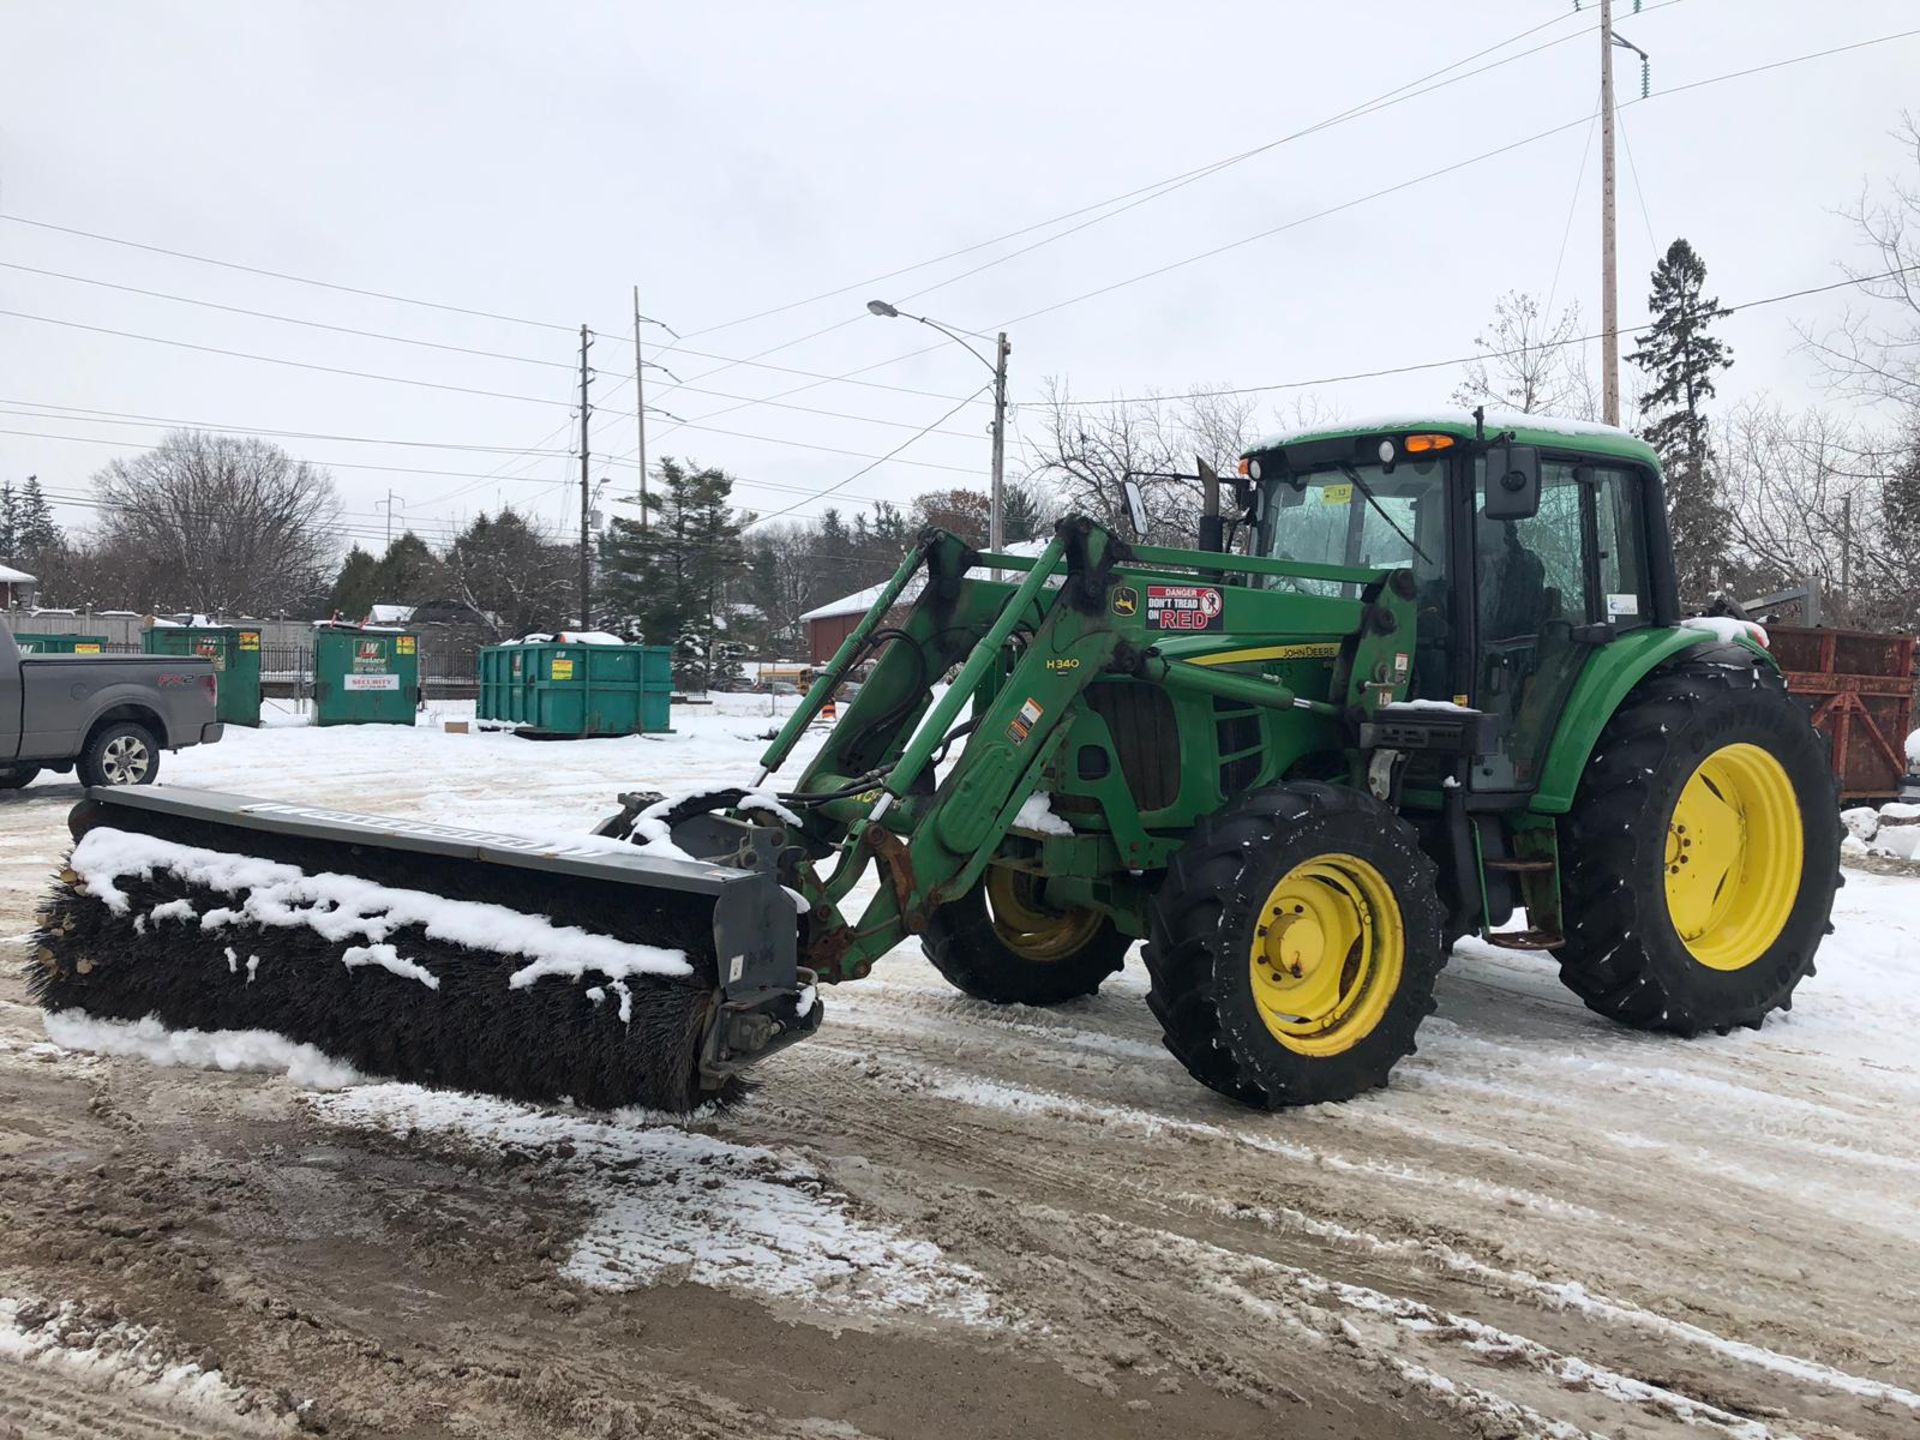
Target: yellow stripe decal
(1325, 650)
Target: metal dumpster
(365, 676)
(235, 653)
(61, 644)
(563, 689)
(1861, 688)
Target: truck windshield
(1323, 517)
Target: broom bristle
(604, 1045)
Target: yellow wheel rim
(1735, 847)
(1327, 953)
(1026, 927)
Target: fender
(1608, 678)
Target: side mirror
(1513, 482)
(1136, 507)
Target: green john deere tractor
(1419, 675)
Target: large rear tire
(1702, 851)
(1294, 946)
(1003, 943)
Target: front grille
(1146, 739)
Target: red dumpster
(1861, 688)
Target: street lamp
(996, 526)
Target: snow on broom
(604, 973)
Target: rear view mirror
(1513, 482)
(1136, 507)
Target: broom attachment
(587, 971)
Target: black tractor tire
(17, 777)
(1213, 910)
(122, 752)
(983, 956)
(1624, 955)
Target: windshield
(1327, 520)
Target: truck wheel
(122, 753)
(1294, 946)
(16, 777)
(1001, 942)
(1703, 850)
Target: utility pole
(387, 505)
(640, 408)
(1609, 279)
(996, 510)
(586, 488)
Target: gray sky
(537, 161)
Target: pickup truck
(108, 716)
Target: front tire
(1003, 943)
(1294, 946)
(1702, 851)
(122, 753)
(17, 777)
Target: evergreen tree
(354, 588)
(1020, 513)
(34, 529)
(679, 582)
(9, 523)
(409, 573)
(1681, 358)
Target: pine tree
(9, 523)
(1020, 517)
(34, 528)
(354, 589)
(677, 583)
(409, 573)
(1681, 359)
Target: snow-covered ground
(1547, 1225)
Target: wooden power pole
(640, 407)
(586, 487)
(1609, 276)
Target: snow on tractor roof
(1544, 430)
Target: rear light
(213, 689)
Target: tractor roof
(1543, 430)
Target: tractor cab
(1517, 583)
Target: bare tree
(230, 525)
(1530, 362)
(1812, 497)
(1089, 451)
(1874, 355)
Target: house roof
(11, 576)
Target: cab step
(1526, 939)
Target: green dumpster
(567, 690)
(62, 644)
(365, 676)
(235, 653)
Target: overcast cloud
(538, 161)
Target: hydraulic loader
(1420, 675)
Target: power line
(740, 480)
(460, 389)
(282, 275)
(1764, 300)
(879, 459)
(1374, 195)
(1153, 190)
(123, 415)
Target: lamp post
(996, 524)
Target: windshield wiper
(1362, 486)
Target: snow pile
(567, 637)
(1036, 814)
(253, 1051)
(1725, 627)
(345, 908)
(126, 1359)
(673, 1205)
(1892, 832)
